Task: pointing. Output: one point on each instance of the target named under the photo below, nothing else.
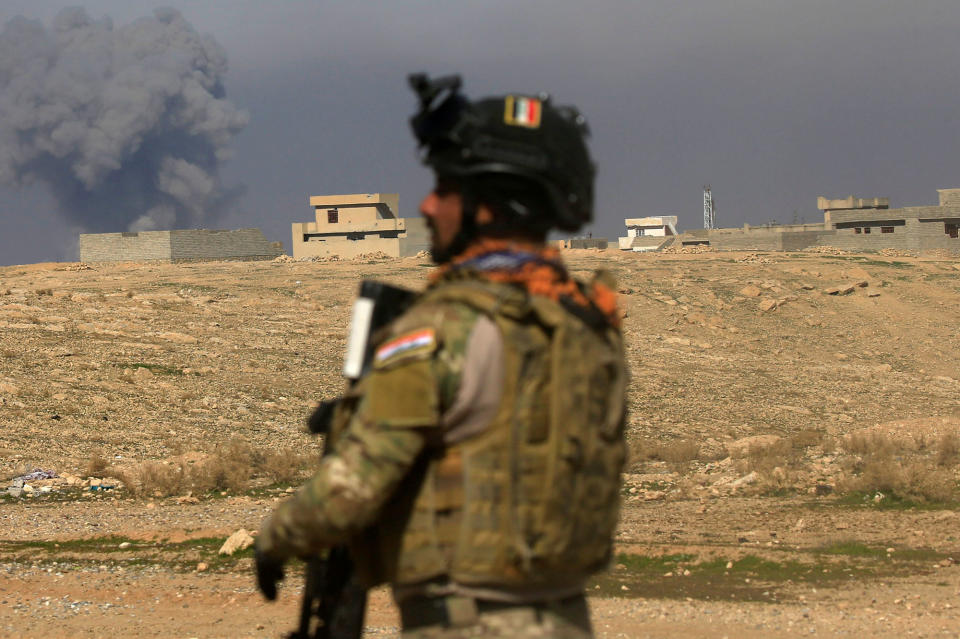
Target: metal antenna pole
(709, 211)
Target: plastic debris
(38, 473)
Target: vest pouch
(567, 486)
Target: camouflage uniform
(476, 468)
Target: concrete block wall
(347, 249)
(902, 238)
(800, 240)
(949, 197)
(923, 230)
(182, 245)
(205, 244)
(752, 240)
(588, 242)
(411, 245)
(125, 247)
(931, 236)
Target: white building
(648, 233)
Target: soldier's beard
(437, 254)
(441, 254)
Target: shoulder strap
(490, 298)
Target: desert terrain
(794, 432)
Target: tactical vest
(534, 499)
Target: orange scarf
(543, 274)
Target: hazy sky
(772, 102)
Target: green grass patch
(181, 555)
(157, 369)
(891, 264)
(856, 549)
(107, 544)
(754, 577)
(890, 501)
(851, 549)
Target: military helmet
(521, 136)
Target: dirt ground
(793, 428)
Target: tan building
(648, 233)
(354, 224)
(851, 224)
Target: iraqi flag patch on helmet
(522, 111)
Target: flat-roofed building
(914, 228)
(355, 224)
(648, 233)
(851, 224)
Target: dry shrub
(948, 450)
(217, 473)
(872, 445)
(914, 481)
(283, 466)
(127, 479)
(764, 459)
(806, 438)
(162, 480)
(921, 442)
(828, 445)
(678, 454)
(930, 483)
(230, 468)
(237, 452)
(639, 450)
(174, 444)
(96, 465)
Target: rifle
(333, 601)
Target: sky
(770, 102)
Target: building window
(333, 216)
(857, 230)
(886, 229)
(951, 229)
(866, 229)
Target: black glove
(269, 574)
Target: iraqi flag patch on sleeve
(522, 111)
(420, 341)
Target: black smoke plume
(127, 126)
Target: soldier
(477, 466)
